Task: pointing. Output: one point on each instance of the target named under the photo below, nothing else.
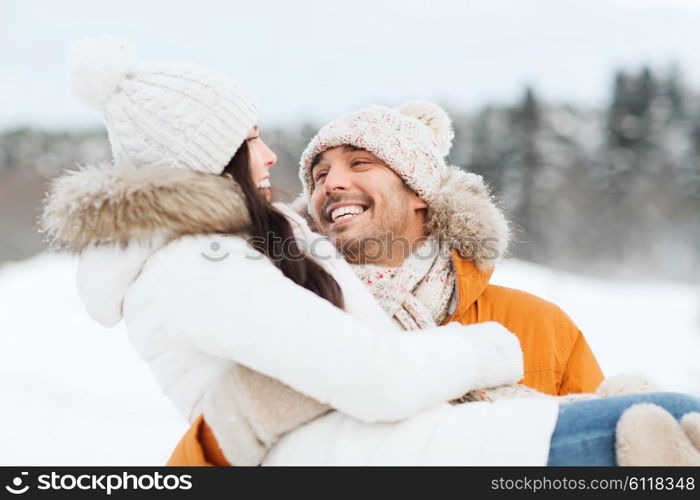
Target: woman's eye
(252, 138)
(320, 176)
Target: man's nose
(337, 179)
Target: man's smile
(345, 215)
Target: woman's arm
(243, 308)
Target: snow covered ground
(74, 393)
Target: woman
(233, 315)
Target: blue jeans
(585, 431)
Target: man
(424, 237)
(377, 185)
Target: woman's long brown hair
(269, 227)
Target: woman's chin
(266, 193)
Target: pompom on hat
(412, 139)
(159, 113)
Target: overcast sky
(308, 59)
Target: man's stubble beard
(376, 244)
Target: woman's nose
(270, 158)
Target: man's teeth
(346, 212)
(264, 184)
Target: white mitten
(626, 384)
(499, 354)
(648, 435)
(691, 425)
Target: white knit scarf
(417, 293)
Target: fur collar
(119, 204)
(463, 214)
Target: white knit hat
(161, 114)
(412, 140)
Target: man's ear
(419, 203)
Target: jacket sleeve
(244, 309)
(582, 372)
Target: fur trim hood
(123, 204)
(463, 214)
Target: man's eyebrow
(346, 149)
(317, 160)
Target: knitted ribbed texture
(162, 114)
(416, 294)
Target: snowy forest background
(612, 192)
